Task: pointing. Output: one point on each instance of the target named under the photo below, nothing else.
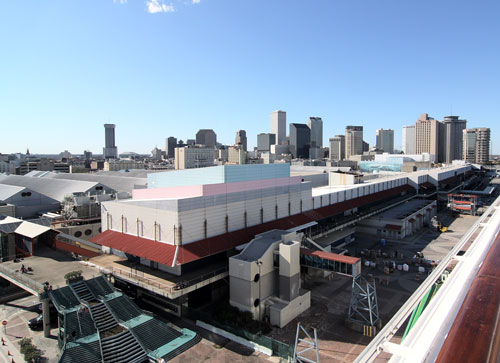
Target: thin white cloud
(120, 1)
(196, 1)
(155, 6)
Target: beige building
(236, 155)
(193, 157)
(427, 136)
(353, 141)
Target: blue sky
(159, 69)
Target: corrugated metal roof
(53, 188)
(31, 230)
(24, 228)
(164, 253)
(8, 191)
(119, 183)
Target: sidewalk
(9, 334)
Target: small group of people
(26, 270)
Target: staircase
(83, 292)
(102, 317)
(122, 347)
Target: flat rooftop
(404, 210)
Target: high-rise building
(278, 126)
(300, 138)
(206, 137)
(476, 145)
(316, 126)
(241, 139)
(110, 150)
(385, 140)
(427, 138)
(337, 148)
(452, 138)
(170, 145)
(353, 141)
(409, 139)
(87, 155)
(264, 141)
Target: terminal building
(188, 220)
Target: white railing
(381, 342)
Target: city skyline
(69, 69)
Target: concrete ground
(51, 265)
(17, 313)
(330, 298)
(226, 351)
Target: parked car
(36, 323)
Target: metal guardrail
(169, 289)
(22, 279)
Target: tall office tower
(409, 139)
(110, 151)
(316, 126)
(170, 145)
(206, 137)
(300, 138)
(241, 139)
(337, 148)
(264, 141)
(385, 140)
(87, 155)
(476, 145)
(453, 135)
(278, 126)
(353, 141)
(427, 131)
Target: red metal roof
(155, 251)
(330, 256)
(164, 253)
(393, 227)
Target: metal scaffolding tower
(311, 344)
(363, 307)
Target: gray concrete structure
(110, 150)
(385, 140)
(265, 278)
(278, 126)
(316, 126)
(264, 141)
(453, 138)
